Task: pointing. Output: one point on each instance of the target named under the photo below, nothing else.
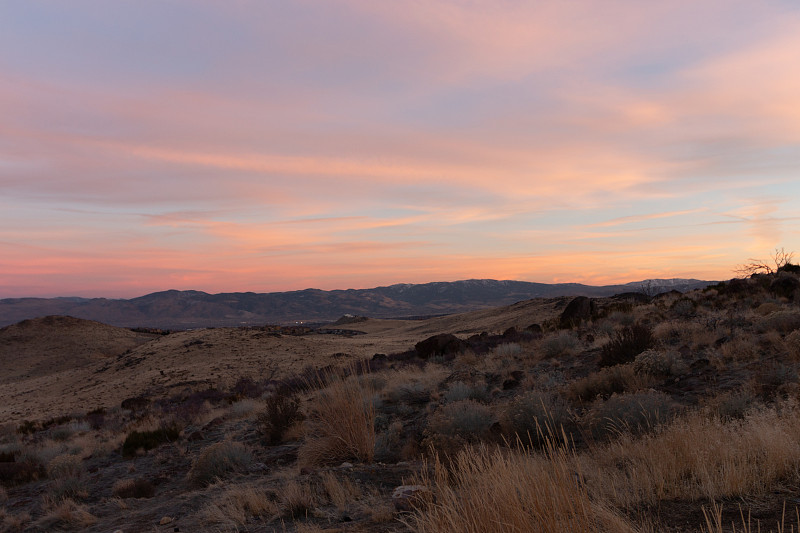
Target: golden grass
(700, 457)
(65, 514)
(714, 522)
(237, 504)
(340, 425)
(341, 491)
(513, 491)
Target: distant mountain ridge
(175, 309)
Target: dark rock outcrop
(578, 310)
(444, 344)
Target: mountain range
(175, 309)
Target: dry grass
(65, 514)
(220, 461)
(238, 504)
(340, 425)
(714, 522)
(297, 499)
(700, 457)
(341, 491)
(13, 522)
(513, 491)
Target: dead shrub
(65, 514)
(279, 414)
(780, 321)
(626, 345)
(341, 491)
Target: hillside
(192, 309)
(678, 413)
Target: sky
(281, 145)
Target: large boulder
(577, 311)
(443, 344)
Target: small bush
(219, 461)
(629, 413)
(467, 419)
(536, 416)
(279, 413)
(657, 363)
(626, 345)
(562, 343)
(508, 349)
(147, 440)
(134, 488)
(602, 384)
(460, 390)
(781, 321)
(684, 307)
(64, 466)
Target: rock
(536, 329)
(578, 310)
(195, 436)
(444, 344)
(164, 521)
(406, 498)
(137, 403)
(346, 465)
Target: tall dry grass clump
(701, 456)
(517, 491)
(340, 425)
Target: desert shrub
(508, 349)
(147, 440)
(536, 416)
(65, 514)
(793, 343)
(340, 490)
(68, 488)
(279, 413)
(65, 432)
(684, 307)
(562, 343)
(134, 488)
(64, 466)
(632, 413)
(657, 363)
(389, 443)
(246, 387)
(626, 345)
(734, 404)
(780, 321)
(602, 384)
(774, 377)
(460, 390)
(25, 467)
(96, 418)
(238, 503)
(28, 427)
(340, 425)
(466, 419)
(220, 461)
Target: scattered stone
(164, 521)
(406, 498)
(346, 465)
